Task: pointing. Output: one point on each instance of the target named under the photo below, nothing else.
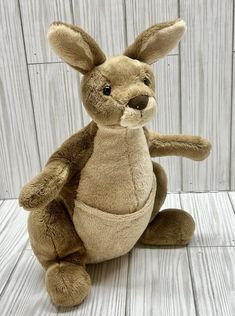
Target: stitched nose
(138, 103)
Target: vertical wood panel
(232, 157)
(104, 20)
(213, 273)
(233, 26)
(206, 70)
(19, 159)
(142, 14)
(37, 15)
(206, 64)
(55, 91)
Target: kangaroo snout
(138, 103)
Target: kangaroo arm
(43, 188)
(192, 147)
(69, 159)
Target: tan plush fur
(106, 235)
(170, 227)
(161, 192)
(157, 41)
(67, 283)
(52, 235)
(117, 182)
(75, 46)
(193, 147)
(100, 192)
(126, 82)
(44, 187)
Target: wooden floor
(194, 280)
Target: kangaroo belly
(118, 176)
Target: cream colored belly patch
(118, 176)
(105, 235)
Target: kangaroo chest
(118, 177)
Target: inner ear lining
(140, 48)
(93, 46)
(92, 54)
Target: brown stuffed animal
(100, 192)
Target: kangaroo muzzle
(139, 103)
(138, 111)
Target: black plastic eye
(107, 89)
(146, 81)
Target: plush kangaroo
(100, 192)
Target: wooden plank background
(39, 95)
(206, 75)
(194, 280)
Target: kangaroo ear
(75, 46)
(156, 41)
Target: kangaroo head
(117, 91)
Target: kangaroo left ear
(77, 48)
(156, 41)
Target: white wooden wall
(39, 95)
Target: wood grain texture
(158, 283)
(55, 92)
(103, 20)
(172, 201)
(108, 292)
(233, 28)
(213, 273)
(19, 159)
(167, 120)
(206, 70)
(13, 238)
(142, 14)
(28, 246)
(232, 131)
(214, 217)
(107, 296)
(232, 199)
(37, 15)
(159, 279)
(26, 293)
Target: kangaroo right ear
(157, 41)
(75, 46)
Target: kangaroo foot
(67, 283)
(170, 227)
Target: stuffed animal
(100, 193)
